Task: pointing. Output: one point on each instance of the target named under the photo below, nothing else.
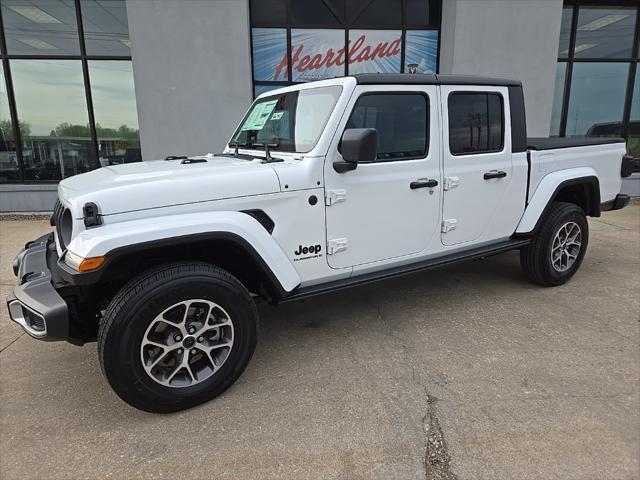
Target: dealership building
(91, 83)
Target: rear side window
(401, 120)
(476, 123)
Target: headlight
(81, 264)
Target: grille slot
(56, 220)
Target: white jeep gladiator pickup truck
(323, 186)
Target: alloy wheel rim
(187, 343)
(566, 246)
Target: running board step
(430, 264)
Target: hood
(161, 183)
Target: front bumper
(34, 303)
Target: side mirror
(357, 145)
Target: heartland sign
(318, 54)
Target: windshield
(289, 122)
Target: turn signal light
(91, 263)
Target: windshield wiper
(267, 154)
(237, 144)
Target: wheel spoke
(157, 360)
(218, 345)
(191, 376)
(155, 344)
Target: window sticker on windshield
(259, 115)
(277, 115)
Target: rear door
(477, 161)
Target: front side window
(401, 121)
(289, 122)
(476, 123)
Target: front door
(391, 207)
(477, 162)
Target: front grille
(35, 321)
(56, 220)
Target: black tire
(535, 258)
(130, 313)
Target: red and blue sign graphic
(317, 54)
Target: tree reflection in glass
(51, 103)
(114, 106)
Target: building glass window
(401, 121)
(605, 32)
(9, 168)
(315, 13)
(598, 58)
(565, 32)
(421, 51)
(106, 31)
(317, 54)
(40, 27)
(419, 12)
(73, 95)
(596, 102)
(634, 122)
(386, 13)
(558, 92)
(114, 106)
(270, 44)
(51, 102)
(269, 12)
(300, 41)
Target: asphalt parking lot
(468, 372)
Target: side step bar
(474, 254)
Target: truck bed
(594, 156)
(552, 143)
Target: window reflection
(40, 27)
(605, 32)
(565, 32)
(9, 170)
(633, 144)
(401, 121)
(106, 31)
(51, 104)
(596, 103)
(114, 106)
(558, 95)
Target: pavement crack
(436, 459)
(12, 342)
(615, 225)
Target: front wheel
(177, 336)
(558, 247)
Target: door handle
(495, 174)
(423, 183)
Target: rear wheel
(177, 336)
(558, 247)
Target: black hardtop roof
(431, 79)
